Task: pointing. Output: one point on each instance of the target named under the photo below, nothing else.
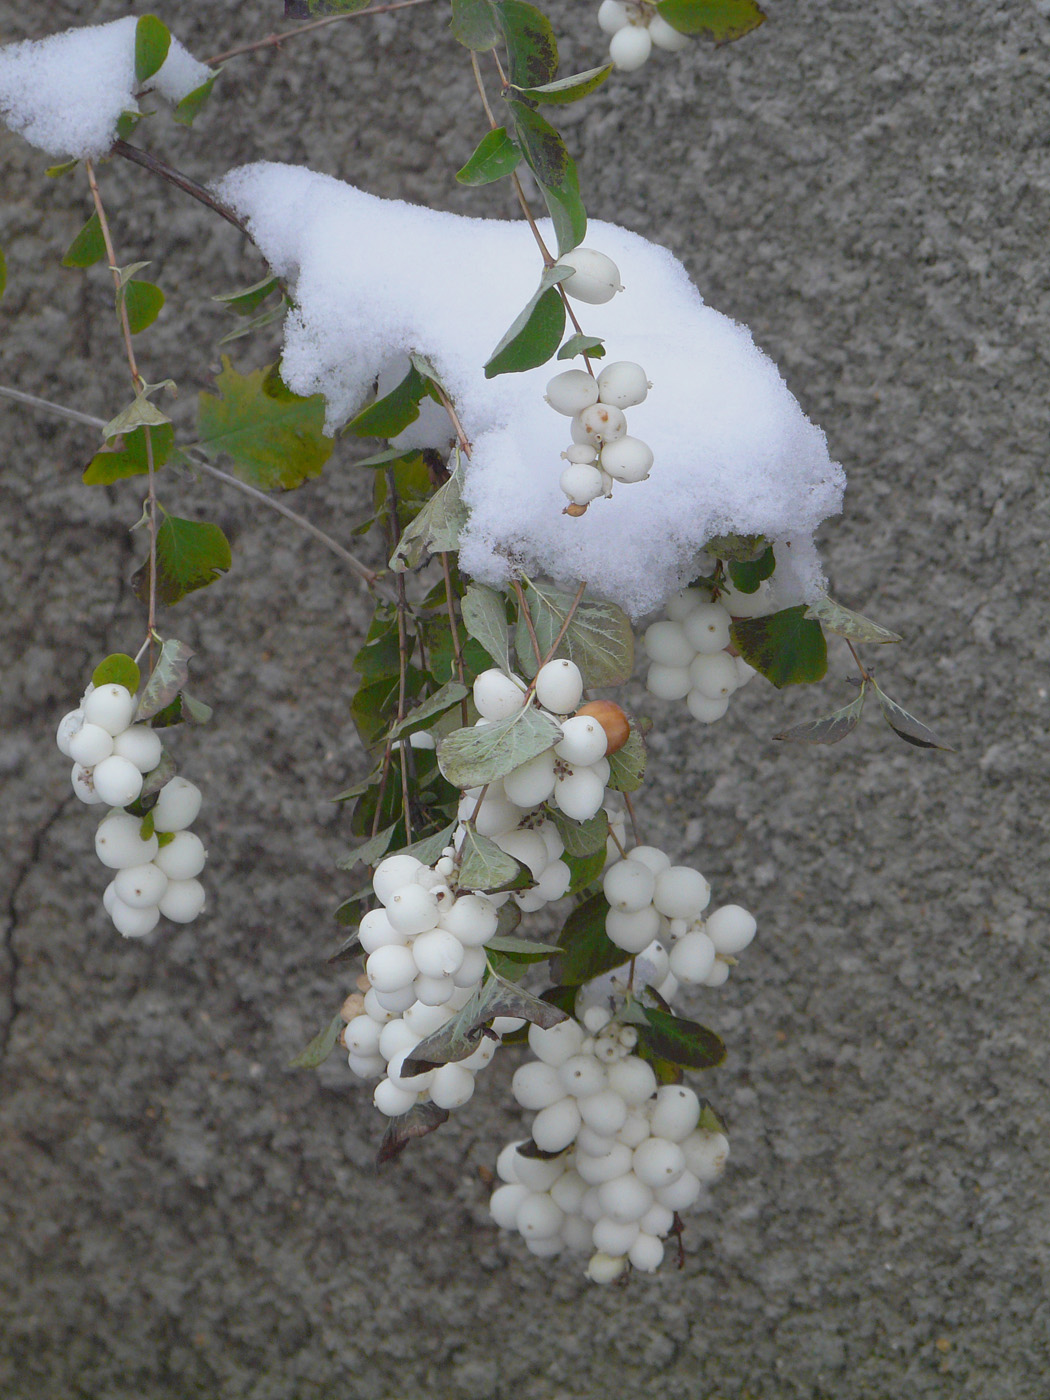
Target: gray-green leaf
(485, 618)
(435, 529)
(829, 729)
(599, 638)
(475, 756)
(846, 623)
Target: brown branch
(156, 166)
(520, 595)
(456, 649)
(276, 40)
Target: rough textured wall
(867, 187)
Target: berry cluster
(634, 29)
(425, 959)
(601, 451)
(618, 1155)
(651, 899)
(156, 858)
(688, 649)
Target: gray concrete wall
(866, 185)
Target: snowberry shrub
(499, 779)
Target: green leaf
(347, 914)
(435, 529)
(245, 302)
(380, 654)
(392, 413)
(152, 40)
(461, 1036)
(264, 318)
(906, 726)
(599, 637)
(485, 618)
(143, 302)
(682, 1042)
(548, 158)
(484, 866)
(88, 247)
(787, 647)
(117, 669)
(590, 345)
(126, 124)
(187, 110)
(429, 848)
(275, 438)
(569, 89)
(139, 413)
(627, 765)
(584, 870)
(451, 693)
(320, 1047)
(532, 49)
(586, 949)
(720, 20)
(475, 25)
(473, 757)
(494, 157)
(420, 1120)
(127, 456)
(536, 331)
(166, 679)
(582, 838)
(746, 575)
(829, 729)
(191, 554)
(846, 623)
(66, 168)
(520, 949)
(742, 548)
(372, 852)
(156, 778)
(372, 704)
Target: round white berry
(472, 969)
(582, 1075)
(472, 918)
(629, 886)
(505, 1203)
(581, 454)
(658, 1162)
(611, 1165)
(414, 1083)
(452, 1086)
(140, 886)
(438, 953)
(141, 746)
(531, 783)
(554, 882)
(628, 459)
(183, 857)
(572, 391)
(568, 1191)
(651, 857)
(692, 958)
(539, 1218)
(605, 1268)
(635, 1128)
(675, 1113)
(668, 39)
(90, 745)
(602, 423)
(666, 643)
(398, 1001)
(111, 707)
(84, 786)
(434, 991)
(559, 686)
(362, 1036)
(755, 604)
(391, 968)
(706, 1154)
(703, 708)
(375, 931)
(117, 781)
(539, 1173)
(625, 1197)
(657, 1220)
(178, 805)
(554, 1127)
(536, 1085)
(717, 976)
(391, 1100)
(134, 923)
(605, 1111)
(557, 1043)
(707, 628)
(668, 682)
(633, 1080)
(595, 278)
(646, 1252)
(579, 794)
(731, 929)
(681, 1194)
(614, 1236)
(68, 725)
(583, 740)
(119, 843)
(630, 47)
(681, 892)
(412, 909)
(612, 16)
(713, 675)
(366, 1066)
(497, 695)
(581, 482)
(623, 384)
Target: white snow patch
(374, 279)
(65, 94)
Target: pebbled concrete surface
(867, 187)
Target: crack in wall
(7, 933)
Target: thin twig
(450, 409)
(73, 415)
(456, 649)
(138, 384)
(156, 166)
(402, 653)
(275, 40)
(493, 123)
(630, 812)
(523, 605)
(568, 618)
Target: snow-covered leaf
(435, 530)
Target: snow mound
(374, 279)
(65, 94)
